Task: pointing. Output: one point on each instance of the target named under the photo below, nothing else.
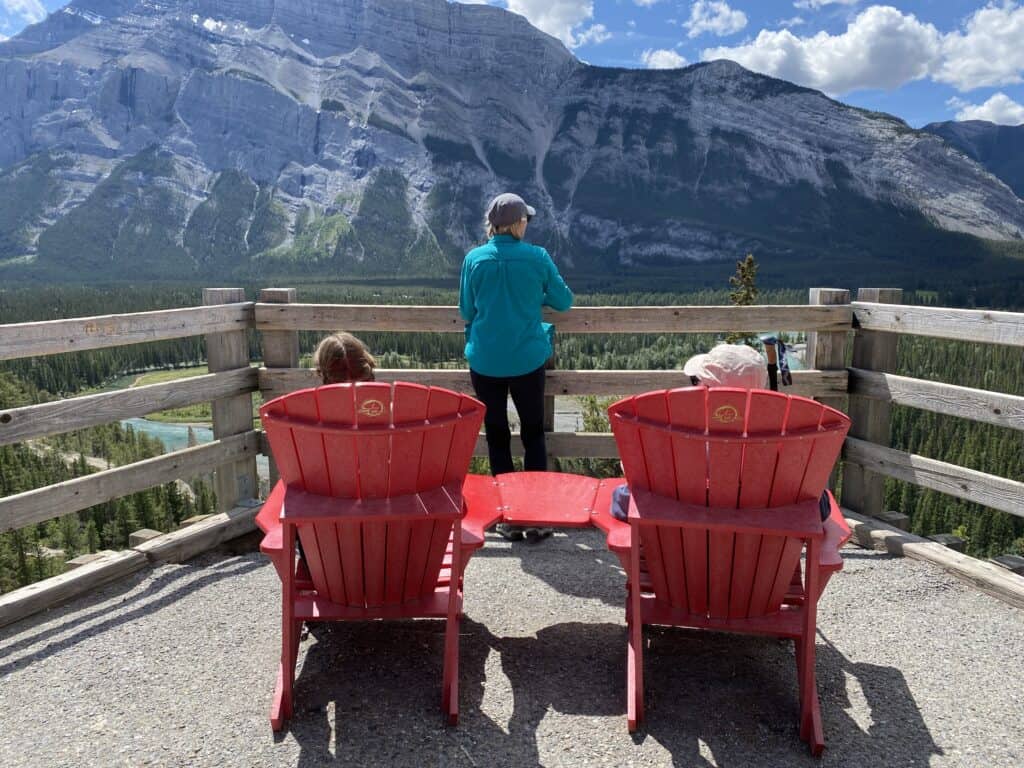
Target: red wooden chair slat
(409, 406)
(317, 540)
(803, 418)
(661, 476)
(727, 413)
(765, 418)
(384, 452)
(730, 454)
(337, 408)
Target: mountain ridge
(365, 136)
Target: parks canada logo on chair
(726, 414)
(372, 408)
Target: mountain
(1000, 148)
(238, 138)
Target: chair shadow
(732, 700)
(150, 599)
(386, 700)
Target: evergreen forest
(41, 550)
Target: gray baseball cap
(506, 209)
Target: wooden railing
(874, 322)
(874, 388)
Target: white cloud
(646, 3)
(989, 51)
(814, 5)
(595, 34)
(3, 37)
(662, 59)
(31, 11)
(714, 16)
(881, 48)
(1000, 109)
(795, 21)
(559, 18)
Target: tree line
(23, 467)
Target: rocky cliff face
(999, 148)
(310, 136)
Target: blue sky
(922, 60)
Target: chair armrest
(304, 507)
(269, 516)
(802, 519)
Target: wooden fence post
(234, 480)
(827, 351)
(280, 348)
(864, 490)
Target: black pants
(528, 396)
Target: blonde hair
(342, 357)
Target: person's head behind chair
(342, 357)
(728, 365)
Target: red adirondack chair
(725, 488)
(371, 484)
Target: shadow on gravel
(728, 700)
(593, 573)
(369, 694)
(150, 599)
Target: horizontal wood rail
(979, 487)
(280, 381)
(712, 319)
(174, 547)
(19, 424)
(991, 579)
(83, 492)
(950, 399)
(982, 325)
(52, 337)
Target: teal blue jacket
(504, 284)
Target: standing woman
(504, 285)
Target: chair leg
(811, 729)
(635, 673)
(282, 707)
(450, 684)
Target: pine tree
(744, 292)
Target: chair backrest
(725, 448)
(373, 441)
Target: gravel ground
(176, 667)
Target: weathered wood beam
(174, 547)
(950, 399)
(982, 325)
(19, 424)
(25, 601)
(51, 337)
(178, 546)
(713, 319)
(989, 578)
(83, 492)
(279, 381)
(990, 490)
